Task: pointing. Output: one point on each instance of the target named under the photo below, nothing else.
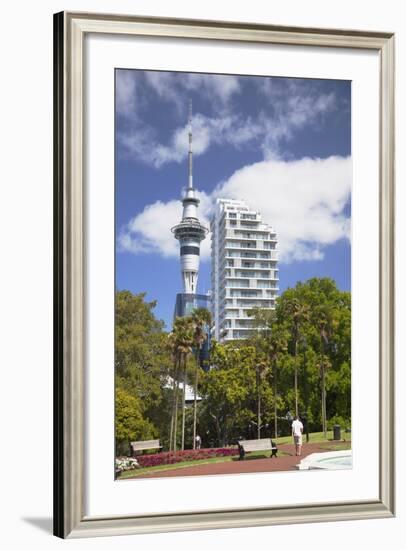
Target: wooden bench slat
(248, 445)
(147, 442)
(257, 445)
(145, 445)
(262, 443)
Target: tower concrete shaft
(190, 232)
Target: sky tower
(190, 232)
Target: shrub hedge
(184, 456)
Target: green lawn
(315, 437)
(344, 446)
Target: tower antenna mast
(189, 231)
(190, 185)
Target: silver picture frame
(70, 30)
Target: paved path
(280, 464)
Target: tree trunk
(171, 433)
(217, 426)
(224, 436)
(259, 406)
(195, 400)
(175, 370)
(323, 400)
(323, 387)
(175, 420)
(173, 413)
(275, 401)
(219, 432)
(296, 397)
(306, 395)
(183, 403)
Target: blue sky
(283, 145)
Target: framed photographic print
(224, 294)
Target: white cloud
(266, 131)
(133, 88)
(218, 88)
(289, 105)
(206, 132)
(295, 104)
(171, 87)
(125, 92)
(150, 231)
(164, 84)
(303, 200)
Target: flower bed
(125, 463)
(184, 456)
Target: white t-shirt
(297, 427)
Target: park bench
(248, 445)
(137, 446)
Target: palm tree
(261, 367)
(299, 314)
(172, 345)
(326, 322)
(275, 339)
(277, 346)
(183, 331)
(324, 364)
(201, 320)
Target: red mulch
(280, 464)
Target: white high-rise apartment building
(244, 268)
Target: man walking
(297, 431)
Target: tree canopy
(298, 359)
(142, 365)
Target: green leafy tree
(305, 340)
(227, 389)
(142, 360)
(326, 331)
(129, 421)
(314, 318)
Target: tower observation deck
(189, 231)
